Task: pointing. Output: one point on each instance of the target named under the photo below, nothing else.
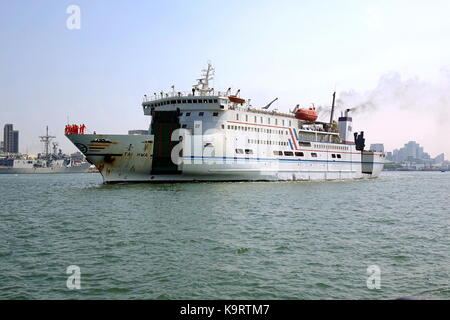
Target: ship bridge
(202, 98)
(186, 102)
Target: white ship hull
(128, 158)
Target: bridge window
(201, 114)
(289, 153)
(339, 156)
(215, 114)
(299, 154)
(189, 101)
(188, 114)
(248, 151)
(239, 151)
(314, 155)
(278, 153)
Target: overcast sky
(391, 55)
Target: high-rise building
(15, 142)
(10, 139)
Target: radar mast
(203, 83)
(46, 140)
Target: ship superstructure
(208, 135)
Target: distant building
(10, 139)
(15, 142)
(439, 159)
(389, 156)
(412, 152)
(138, 132)
(1, 146)
(377, 147)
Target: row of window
(261, 120)
(302, 154)
(286, 153)
(330, 147)
(268, 121)
(319, 137)
(246, 151)
(334, 156)
(254, 129)
(268, 142)
(184, 101)
(292, 153)
(200, 114)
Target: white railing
(183, 94)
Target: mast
(203, 83)
(46, 140)
(332, 108)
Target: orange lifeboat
(236, 99)
(309, 115)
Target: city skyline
(413, 151)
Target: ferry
(208, 135)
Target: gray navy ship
(48, 162)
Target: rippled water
(298, 240)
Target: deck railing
(181, 94)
